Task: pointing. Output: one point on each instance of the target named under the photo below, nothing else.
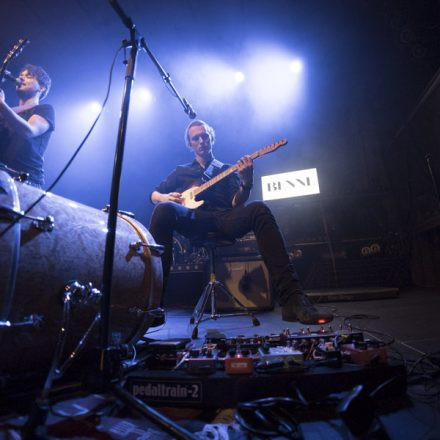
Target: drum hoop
(147, 318)
(138, 231)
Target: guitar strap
(210, 171)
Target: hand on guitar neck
(245, 166)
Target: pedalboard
(223, 390)
(224, 371)
(244, 355)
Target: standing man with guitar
(25, 129)
(223, 210)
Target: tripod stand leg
(200, 308)
(201, 304)
(246, 311)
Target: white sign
(291, 184)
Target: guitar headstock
(15, 50)
(270, 148)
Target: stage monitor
(291, 184)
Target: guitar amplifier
(247, 278)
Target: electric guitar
(189, 195)
(13, 53)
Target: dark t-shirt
(218, 197)
(27, 155)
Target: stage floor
(409, 321)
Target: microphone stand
(168, 425)
(115, 184)
(167, 80)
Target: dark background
(361, 121)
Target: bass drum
(39, 258)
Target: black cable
(425, 373)
(366, 330)
(69, 162)
(422, 359)
(271, 417)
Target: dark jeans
(233, 223)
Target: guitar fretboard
(233, 168)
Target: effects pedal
(201, 361)
(364, 352)
(239, 362)
(166, 353)
(327, 354)
(280, 356)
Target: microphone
(189, 110)
(8, 75)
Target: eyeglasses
(203, 136)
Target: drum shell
(74, 250)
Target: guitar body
(189, 198)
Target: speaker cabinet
(248, 280)
(184, 288)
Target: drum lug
(82, 294)
(44, 224)
(19, 176)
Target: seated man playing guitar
(224, 190)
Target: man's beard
(25, 94)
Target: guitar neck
(223, 174)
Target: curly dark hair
(42, 77)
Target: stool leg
(197, 316)
(201, 303)
(213, 301)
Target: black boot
(299, 308)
